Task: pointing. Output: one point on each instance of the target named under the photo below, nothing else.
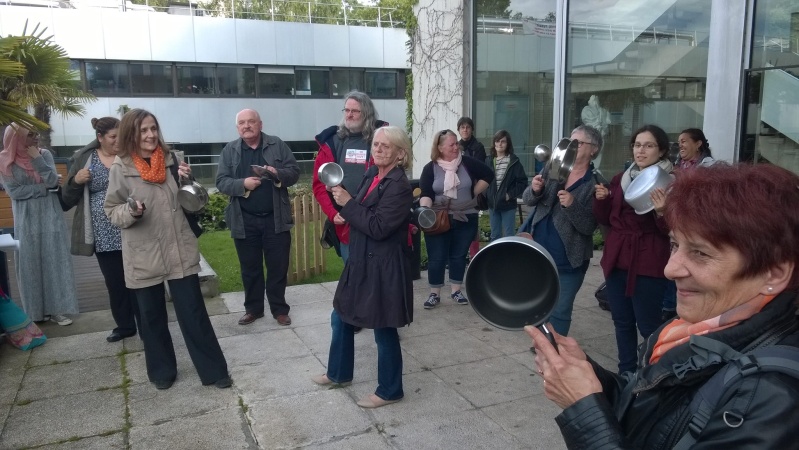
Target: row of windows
(106, 79)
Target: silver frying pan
(513, 282)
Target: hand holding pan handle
(331, 175)
(513, 282)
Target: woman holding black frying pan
(734, 255)
(564, 222)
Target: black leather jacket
(649, 410)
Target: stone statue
(596, 116)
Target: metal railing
(205, 167)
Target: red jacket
(636, 243)
(325, 155)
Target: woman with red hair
(734, 256)
(44, 265)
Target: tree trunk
(42, 112)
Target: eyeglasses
(581, 143)
(648, 146)
(353, 111)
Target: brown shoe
(283, 319)
(249, 318)
(373, 401)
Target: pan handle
(549, 335)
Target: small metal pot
(424, 217)
(542, 153)
(330, 174)
(638, 192)
(563, 157)
(192, 196)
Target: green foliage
(599, 242)
(213, 216)
(12, 70)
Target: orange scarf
(679, 331)
(155, 171)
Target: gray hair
(368, 115)
(594, 135)
(398, 138)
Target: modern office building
(195, 72)
(730, 67)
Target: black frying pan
(513, 282)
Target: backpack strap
(777, 358)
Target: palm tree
(48, 83)
(10, 111)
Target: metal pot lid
(425, 217)
(638, 191)
(512, 282)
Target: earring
(770, 289)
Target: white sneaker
(61, 319)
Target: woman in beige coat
(157, 246)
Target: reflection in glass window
(74, 67)
(775, 34)
(315, 83)
(107, 78)
(511, 92)
(196, 80)
(153, 79)
(346, 80)
(280, 84)
(635, 63)
(381, 84)
(236, 80)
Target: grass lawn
(218, 249)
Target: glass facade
(196, 80)
(107, 78)
(312, 83)
(626, 64)
(151, 79)
(236, 81)
(632, 64)
(771, 110)
(345, 80)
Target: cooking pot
(542, 153)
(638, 191)
(562, 160)
(424, 217)
(513, 282)
(330, 174)
(192, 196)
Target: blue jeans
(503, 223)
(345, 252)
(450, 247)
(670, 297)
(341, 361)
(642, 309)
(570, 282)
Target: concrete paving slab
(316, 313)
(137, 368)
(308, 293)
(447, 348)
(74, 377)
(330, 286)
(10, 379)
(316, 417)
(114, 441)
(468, 429)
(74, 348)
(506, 342)
(149, 406)
(259, 382)
(590, 323)
(262, 347)
(491, 381)
(371, 440)
(531, 420)
(234, 301)
(60, 418)
(219, 429)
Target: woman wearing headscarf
(44, 266)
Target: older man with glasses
(564, 221)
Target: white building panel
(256, 42)
(215, 40)
(90, 42)
(366, 47)
(172, 38)
(331, 45)
(126, 35)
(394, 39)
(294, 43)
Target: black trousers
(261, 244)
(124, 309)
(194, 323)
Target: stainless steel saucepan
(560, 160)
(192, 196)
(330, 174)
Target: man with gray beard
(349, 145)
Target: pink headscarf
(14, 152)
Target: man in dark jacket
(259, 213)
(474, 148)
